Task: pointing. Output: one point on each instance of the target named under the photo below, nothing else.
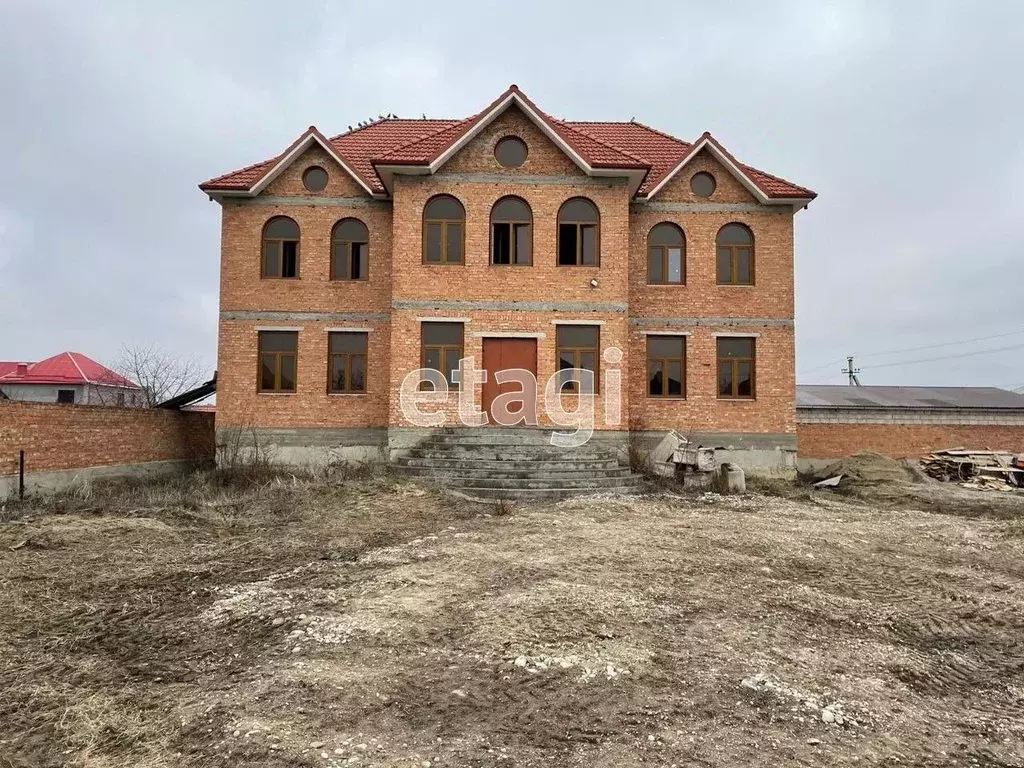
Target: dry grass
(156, 625)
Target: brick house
(517, 240)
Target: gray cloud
(904, 117)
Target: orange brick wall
(60, 437)
(901, 441)
(397, 275)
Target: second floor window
(444, 230)
(511, 232)
(735, 255)
(280, 248)
(350, 250)
(278, 354)
(666, 255)
(578, 234)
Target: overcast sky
(905, 117)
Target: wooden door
(501, 354)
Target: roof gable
(371, 154)
(67, 368)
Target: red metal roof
(394, 141)
(65, 368)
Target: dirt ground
(369, 622)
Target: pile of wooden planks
(988, 470)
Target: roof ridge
(593, 138)
(359, 128)
(662, 133)
(418, 139)
(777, 178)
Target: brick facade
(402, 290)
(833, 433)
(69, 437)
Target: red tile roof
(395, 141)
(65, 368)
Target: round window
(703, 184)
(315, 179)
(511, 152)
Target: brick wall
(62, 437)
(906, 437)
(401, 287)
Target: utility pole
(852, 372)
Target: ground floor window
(441, 345)
(735, 367)
(65, 396)
(347, 352)
(278, 354)
(666, 366)
(578, 347)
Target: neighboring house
(905, 422)
(69, 377)
(519, 240)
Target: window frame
(347, 390)
(518, 140)
(348, 251)
(663, 364)
(559, 222)
(664, 249)
(714, 184)
(443, 351)
(305, 175)
(573, 386)
(445, 223)
(734, 256)
(65, 402)
(735, 361)
(512, 240)
(264, 241)
(277, 355)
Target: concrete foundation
(307, 447)
(750, 450)
(56, 480)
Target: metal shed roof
(840, 396)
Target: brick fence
(61, 440)
(830, 433)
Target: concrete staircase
(515, 463)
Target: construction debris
(986, 470)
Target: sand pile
(868, 468)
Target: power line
(943, 344)
(912, 349)
(947, 357)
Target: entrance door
(501, 354)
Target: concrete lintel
(577, 322)
(509, 306)
(279, 328)
(442, 319)
(711, 322)
(507, 335)
(315, 200)
(736, 335)
(349, 329)
(524, 179)
(665, 333)
(265, 315)
(667, 207)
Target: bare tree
(160, 374)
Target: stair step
(513, 474)
(497, 453)
(514, 465)
(577, 484)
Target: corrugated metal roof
(839, 396)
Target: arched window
(511, 232)
(444, 230)
(666, 255)
(579, 233)
(280, 248)
(735, 255)
(350, 250)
